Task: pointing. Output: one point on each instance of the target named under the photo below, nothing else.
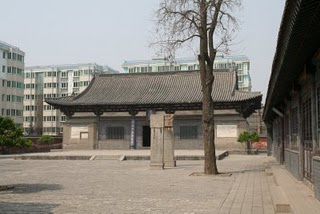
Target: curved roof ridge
(87, 88)
(157, 89)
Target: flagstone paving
(111, 186)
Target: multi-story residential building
(52, 81)
(11, 82)
(108, 70)
(241, 63)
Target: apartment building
(11, 82)
(241, 63)
(52, 81)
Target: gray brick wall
(77, 143)
(292, 162)
(187, 143)
(287, 160)
(179, 120)
(125, 122)
(316, 174)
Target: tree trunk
(207, 79)
(248, 147)
(210, 165)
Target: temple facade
(115, 111)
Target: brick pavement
(108, 186)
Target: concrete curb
(280, 200)
(109, 157)
(44, 157)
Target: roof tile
(155, 88)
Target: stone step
(52, 157)
(106, 157)
(280, 200)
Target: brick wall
(316, 174)
(222, 143)
(187, 143)
(292, 162)
(70, 143)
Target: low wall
(34, 148)
(316, 176)
(292, 162)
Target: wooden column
(133, 141)
(98, 113)
(300, 137)
(269, 139)
(314, 116)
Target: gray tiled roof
(298, 42)
(155, 88)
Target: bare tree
(211, 24)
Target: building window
(115, 133)
(4, 55)
(76, 73)
(64, 85)
(188, 132)
(3, 69)
(161, 68)
(191, 67)
(76, 84)
(240, 78)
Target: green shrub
(46, 139)
(249, 138)
(11, 135)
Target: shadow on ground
(30, 188)
(17, 208)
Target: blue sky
(109, 32)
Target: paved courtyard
(111, 186)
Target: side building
(11, 82)
(292, 110)
(241, 63)
(52, 81)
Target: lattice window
(286, 130)
(294, 127)
(307, 124)
(115, 133)
(294, 120)
(188, 132)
